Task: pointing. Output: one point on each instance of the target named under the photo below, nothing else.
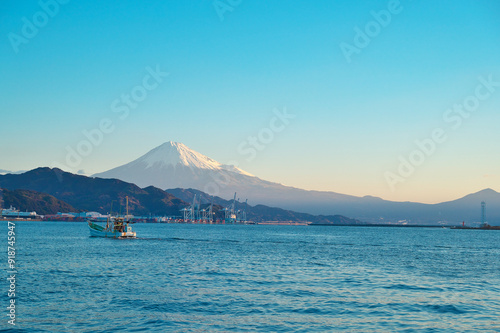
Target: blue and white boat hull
(98, 231)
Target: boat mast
(109, 215)
(127, 207)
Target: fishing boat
(116, 227)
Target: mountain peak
(173, 153)
(488, 190)
(169, 144)
(485, 192)
(487, 195)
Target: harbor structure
(232, 216)
(194, 213)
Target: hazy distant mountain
(468, 208)
(173, 165)
(27, 200)
(4, 172)
(94, 194)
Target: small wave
(401, 286)
(298, 293)
(445, 308)
(318, 264)
(22, 330)
(309, 311)
(177, 239)
(59, 271)
(160, 239)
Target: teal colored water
(221, 278)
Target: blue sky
(353, 120)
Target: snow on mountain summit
(172, 154)
(174, 165)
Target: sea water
(254, 278)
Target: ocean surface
(236, 278)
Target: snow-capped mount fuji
(174, 154)
(173, 165)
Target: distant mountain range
(173, 165)
(49, 191)
(4, 172)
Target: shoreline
(281, 223)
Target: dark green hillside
(94, 194)
(42, 203)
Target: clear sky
(364, 80)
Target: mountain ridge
(93, 194)
(96, 194)
(218, 181)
